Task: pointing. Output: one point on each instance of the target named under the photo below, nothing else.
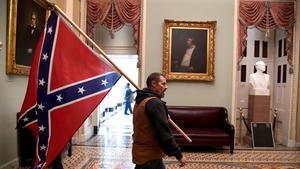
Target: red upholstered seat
(206, 126)
(209, 133)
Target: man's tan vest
(145, 144)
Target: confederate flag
(66, 83)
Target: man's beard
(162, 95)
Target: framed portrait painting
(189, 50)
(26, 21)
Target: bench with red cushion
(206, 126)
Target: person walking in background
(128, 99)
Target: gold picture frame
(26, 21)
(189, 50)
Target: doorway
(114, 126)
(270, 49)
(113, 104)
(108, 125)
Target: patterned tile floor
(114, 132)
(111, 149)
(86, 157)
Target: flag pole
(110, 61)
(180, 131)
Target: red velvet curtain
(96, 13)
(114, 14)
(266, 15)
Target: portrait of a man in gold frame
(26, 20)
(189, 50)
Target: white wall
(12, 91)
(217, 93)
(122, 42)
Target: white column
(83, 8)
(295, 123)
(69, 9)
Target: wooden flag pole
(110, 61)
(180, 131)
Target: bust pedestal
(259, 105)
(258, 109)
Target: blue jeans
(128, 106)
(153, 164)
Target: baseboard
(11, 164)
(291, 143)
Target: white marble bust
(259, 81)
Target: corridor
(110, 149)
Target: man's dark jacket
(156, 111)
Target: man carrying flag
(66, 83)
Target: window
(265, 49)
(243, 73)
(279, 74)
(256, 48)
(279, 48)
(284, 48)
(245, 50)
(284, 71)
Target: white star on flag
(43, 147)
(50, 30)
(41, 106)
(104, 82)
(81, 90)
(42, 82)
(59, 98)
(45, 56)
(39, 166)
(25, 119)
(42, 128)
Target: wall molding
(291, 143)
(234, 111)
(142, 45)
(295, 78)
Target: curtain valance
(266, 15)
